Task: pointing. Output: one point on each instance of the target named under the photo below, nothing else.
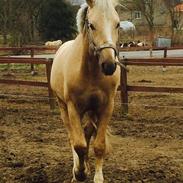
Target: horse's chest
(91, 101)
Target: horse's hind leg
(89, 129)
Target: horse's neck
(89, 62)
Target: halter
(97, 49)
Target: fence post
(165, 52)
(151, 51)
(50, 91)
(124, 90)
(165, 56)
(32, 65)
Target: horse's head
(102, 28)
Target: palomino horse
(57, 43)
(85, 79)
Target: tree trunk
(5, 40)
(32, 28)
(152, 36)
(172, 33)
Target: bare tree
(4, 21)
(24, 24)
(18, 19)
(147, 7)
(32, 11)
(178, 24)
(175, 17)
(170, 4)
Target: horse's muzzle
(108, 68)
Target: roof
(179, 7)
(76, 2)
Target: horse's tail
(111, 141)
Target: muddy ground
(147, 143)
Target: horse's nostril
(104, 66)
(108, 68)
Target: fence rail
(31, 49)
(154, 61)
(23, 60)
(147, 48)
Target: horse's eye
(92, 26)
(118, 25)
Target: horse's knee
(99, 149)
(79, 143)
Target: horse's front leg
(100, 141)
(78, 143)
(72, 136)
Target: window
(137, 14)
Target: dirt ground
(147, 143)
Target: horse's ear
(90, 3)
(116, 3)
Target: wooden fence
(148, 48)
(30, 49)
(125, 88)
(31, 61)
(47, 62)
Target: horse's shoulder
(65, 46)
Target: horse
(141, 43)
(129, 44)
(53, 43)
(85, 78)
(133, 44)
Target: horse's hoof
(80, 176)
(98, 179)
(73, 180)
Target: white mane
(81, 15)
(102, 4)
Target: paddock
(147, 142)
